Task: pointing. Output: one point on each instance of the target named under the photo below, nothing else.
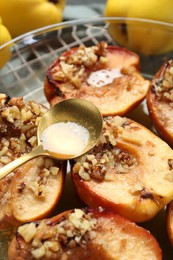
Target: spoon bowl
(79, 111)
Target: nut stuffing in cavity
(163, 86)
(106, 156)
(18, 136)
(49, 240)
(71, 68)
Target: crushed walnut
(170, 164)
(72, 67)
(163, 87)
(57, 239)
(106, 157)
(18, 136)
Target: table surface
(79, 9)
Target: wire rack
(24, 74)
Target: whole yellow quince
(5, 36)
(21, 16)
(141, 37)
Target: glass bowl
(27, 58)
(30, 54)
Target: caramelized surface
(33, 189)
(111, 237)
(160, 102)
(129, 171)
(67, 78)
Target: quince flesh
(129, 173)
(23, 16)
(112, 237)
(118, 97)
(169, 221)
(141, 37)
(24, 195)
(159, 101)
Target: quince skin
(5, 51)
(141, 37)
(21, 16)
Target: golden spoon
(79, 111)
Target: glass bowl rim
(82, 22)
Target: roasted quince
(169, 221)
(84, 234)
(108, 76)
(160, 101)
(129, 171)
(32, 190)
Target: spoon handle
(5, 170)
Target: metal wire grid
(25, 73)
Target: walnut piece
(72, 67)
(106, 157)
(163, 86)
(73, 230)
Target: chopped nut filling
(106, 157)
(57, 239)
(18, 135)
(170, 163)
(72, 67)
(163, 87)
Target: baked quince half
(129, 171)
(84, 234)
(160, 101)
(32, 190)
(169, 221)
(106, 75)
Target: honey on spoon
(66, 131)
